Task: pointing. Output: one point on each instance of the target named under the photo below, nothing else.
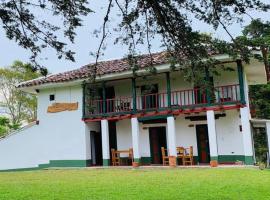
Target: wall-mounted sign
(60, 107)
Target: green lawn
(219, 183)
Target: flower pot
(135, 164)
(172, 161)
(213, 163)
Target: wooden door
(157, 137)
(96, 148)
(203, 143)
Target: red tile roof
(103, 67)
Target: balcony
(182, 99)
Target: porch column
(83, 99)
(247, 136)
(134, 102)
(268, 137)
(171, 136)
(135, 139)
(168, 80)
(103, 97)
(105, 142)
(211, 124)
(241, 81)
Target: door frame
(199, 147)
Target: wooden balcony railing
(156, 101)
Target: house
(80, 122)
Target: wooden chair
(165, 157)
(188, 157)
(115, 158)
(180, 153)
(130, 155)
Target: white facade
(64, 139)
(58, 136)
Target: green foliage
(256, 36)
(4, 125)
(260, 99)
(140, 21)
(21, 106)
(24, 23)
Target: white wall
(230, 141)
(124, 137)
(229, 137)
(59, 136)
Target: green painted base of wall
(146, 160)
(106, 162)
(214, 158)
(138, 160)
(248, 160)
(55, 163)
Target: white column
(87, 142)
(212, 136)
(171, 136)
(247, 136)
(105, 142)
(135, 139)
(268, 137)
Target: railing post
(134, 102)
(241, 81)
(83, 99)
(103, 97)
(168, 88)
(207, 78)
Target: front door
(203, 143)
(96, 148)
(157, 137)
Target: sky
(86, 42)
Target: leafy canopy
(140, 22)
(21, 106)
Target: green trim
(168, 80)
(214, 158)
(248, 160)
(83, 99)
(142, 119)
(54, 163)
(138, 160)
(134, 95)
(146, 160)
(163, 109)
(104, 97)
(106, 162)
(241, 81)
(207, 78)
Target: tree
(5, 126)
(21, 106)
(140, 21)
(256, 36)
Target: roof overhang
(255, 74)
(259, 123)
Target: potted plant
(172, 161)
(135, 164)
(213, 163)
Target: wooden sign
(60, 107)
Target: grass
(81, 184)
